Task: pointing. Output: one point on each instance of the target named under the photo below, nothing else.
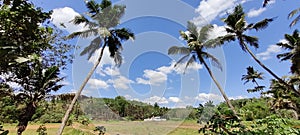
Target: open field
(119, 127)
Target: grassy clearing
(119, 127)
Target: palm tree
(197, 42)
(292, 14)
(236, 28)
(101, 21)
(252, 75)
(293, 46)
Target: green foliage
(2, 131)
(42, 130)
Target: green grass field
(119, 127)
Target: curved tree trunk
(272, 73)
(25, 118)
(68, 112)
(219, 87)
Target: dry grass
(119, 127)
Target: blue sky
(147, 73)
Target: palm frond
(285, 46)
(178, 50)
(295, 21)
(215, 62)
(292, 14)
(105, 4)
(94, 45)
(227, 38)
(204, 33)
(83, 34)
(253, 41)
(241, 23)
(284, 56)
(212, 43)
(182, 60)
(291, 40)
(190, 61)
(124, 34)
(191, 27)
(263, 24)
(118, 59)
(79, 19)
(93, 7)
(266, 2)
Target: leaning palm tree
(197, 41)
(293, 46)
(236, 26)
(252, 75)
(101, 21)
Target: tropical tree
(36, 84)
(293, 46)
(252, 76)
(197, 41)
(101, 21)
(236, 26)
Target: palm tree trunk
(68, 112)
(272, 73)
(219, 87)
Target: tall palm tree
(293, 46)
(236, 28)
(197, 41)
(101, 21)
(252, 75)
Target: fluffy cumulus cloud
(97, 84)
(271, 50)
(64, 16)
(156, 99)
(120, 82)
(209, 10)
(175, 99)
(256, 12)
(160, 75)
(204, 97)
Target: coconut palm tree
(197, 41)
(252, 75)
(293, 46)
(236, 28)
(101, 21)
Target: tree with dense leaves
(197, 41)
(252, 76)
(293, 54)
(236, 26)
(101, 21)
(32, 52)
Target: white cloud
(152, 77)
(204, 97)
(64, 16)
(217, 31)
(208, 10)
(120, 82)
(160, 75)
(256, 12)
(97, 84)
(156, 99)
(112, 71)
(106, 60)
(272, 49)
(175, 99)
(238, 97)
